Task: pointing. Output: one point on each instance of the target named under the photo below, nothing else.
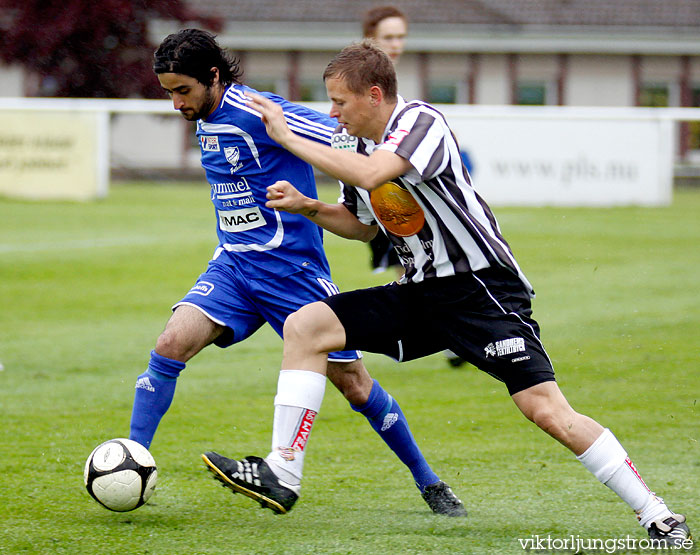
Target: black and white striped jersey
(460, 233)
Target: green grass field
(85, 289)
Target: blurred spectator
(388, 26)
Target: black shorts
(483, 317)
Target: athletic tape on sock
(300, 388)
(604, 456)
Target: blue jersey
(241, 161)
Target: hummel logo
(389, 420)
(145, 383)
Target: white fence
(66, 148)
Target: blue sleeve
(305, 121)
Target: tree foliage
(84, 48)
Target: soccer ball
(120, 474)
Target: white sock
(607, 460)
(299, 397)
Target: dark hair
(375, 16)
(194, 52)
(362, 65)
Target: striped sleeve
(419, 137)
(350, 198)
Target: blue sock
(385, 416)
(155, 389)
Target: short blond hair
(363, 65)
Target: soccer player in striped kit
(267, 264)
(462, 289)
(387, 26)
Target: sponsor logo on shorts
(202, 288)
(307, 420)
(505, 347)
(210, 143)
(241, 220)
(520, 359)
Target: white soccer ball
(120, 474)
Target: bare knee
(551, 420)
(170, 345)
(545, 405)
(298, 328)
(313, 328)
(187, 332)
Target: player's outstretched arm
(351, 168)
(336, 218)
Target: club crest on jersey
(210, 143)
(233, 154)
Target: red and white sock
(607, 460)
(298, 400)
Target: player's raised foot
(253, 477)
(443, 501)
(672, 531)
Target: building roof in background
(550, 13)
(655, 27)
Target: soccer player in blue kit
(267, 265)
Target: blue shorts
(243, 302)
